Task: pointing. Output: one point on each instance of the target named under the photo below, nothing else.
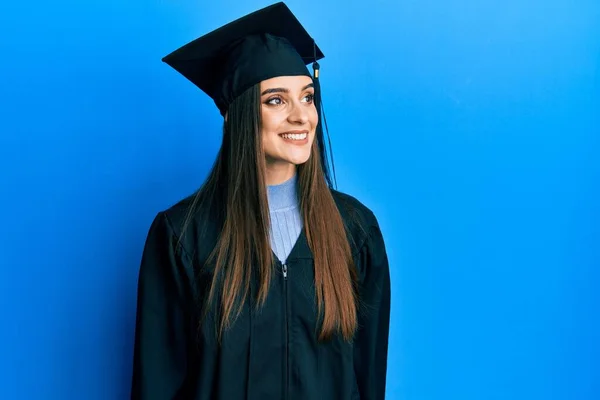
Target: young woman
(267, 283)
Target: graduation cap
(265, 44)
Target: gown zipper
(287, 334)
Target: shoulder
(367, 242)
(352, 208)
(178, 213)
(358, 218)
(191, 223)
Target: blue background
(470, 127)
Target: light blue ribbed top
(286, 219)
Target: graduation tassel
(321, 112)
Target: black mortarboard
(265, 44)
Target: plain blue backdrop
(470, 127)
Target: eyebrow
(284, 90)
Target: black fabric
(264, 44)
(270, 354)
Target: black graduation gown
(272, 354)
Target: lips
(295, 137)
(293, 133)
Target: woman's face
(289, 120)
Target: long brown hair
(236, 190)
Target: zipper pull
(284, 266)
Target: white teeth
(294, 136)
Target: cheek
(314, 117)
(270, 121)
(266, 124)
(269, 126)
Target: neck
(277, 173)
(284, 195)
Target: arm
(159, 363)
(371, 343)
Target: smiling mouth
(294, 135)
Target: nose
(298, 114)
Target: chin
(288, 157)
(298, 160)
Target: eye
(309, 98)
(274, 101)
